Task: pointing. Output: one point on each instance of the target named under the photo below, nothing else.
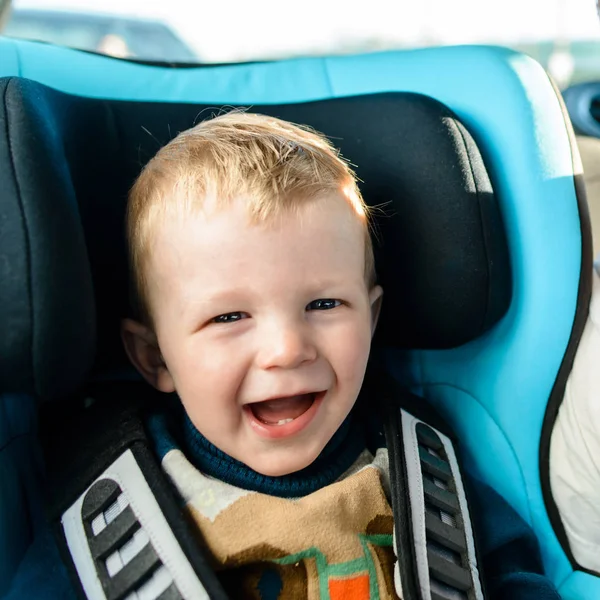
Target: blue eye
(323, 304)
(230, 317)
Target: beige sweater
(335, 543)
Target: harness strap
(121, 528)
(434, 536)
(121, 543)
(127, 539)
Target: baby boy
(256, 300)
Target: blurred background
(564, 35)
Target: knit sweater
(324, 532)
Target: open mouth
(280, 411)
(281, 417)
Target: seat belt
(121, 544)
(120, 527)
(435, 545)
(125, 537)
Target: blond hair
(275, 164)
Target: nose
(286, 346)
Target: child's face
(264, 329)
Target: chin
(283, 466)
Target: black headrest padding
(441, 254)
(47, 312)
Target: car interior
(487, 334)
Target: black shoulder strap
(120, 528)
(437, 557)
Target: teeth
(284, 421)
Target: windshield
(564, 35)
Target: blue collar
(337, 457)
(170, 428)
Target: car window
(564, 35)
(67, 30)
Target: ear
(375, 299)
(143, 351)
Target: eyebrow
(216, 297)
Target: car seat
(500, 391)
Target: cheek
(206, 371)
(350, 352)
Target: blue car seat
(500, 391)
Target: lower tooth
(284, 421)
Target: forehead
(322, 238)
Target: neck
(336, 458)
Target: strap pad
(437, 559)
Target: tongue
(281, 409)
